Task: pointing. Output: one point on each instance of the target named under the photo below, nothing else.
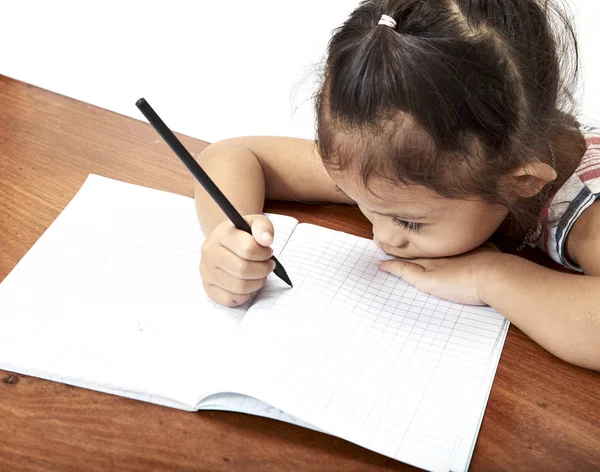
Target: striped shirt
(570, 201)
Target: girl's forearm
(561, 312)
(238, 174)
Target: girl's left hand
(455, 278)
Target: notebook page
(229, 401)
(110, 298)
(361, 354)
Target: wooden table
(542, 414)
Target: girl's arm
(559, 311)
(251, 169)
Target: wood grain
(542, 413)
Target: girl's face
(413, 221)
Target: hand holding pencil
(252, 250)
(235, 264)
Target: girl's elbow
(586, 356)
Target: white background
(211, 69)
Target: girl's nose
(397, 239)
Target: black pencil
(206, 182)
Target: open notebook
(110, 299)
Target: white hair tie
(388, 21)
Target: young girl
(444, 121)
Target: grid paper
(398, 371)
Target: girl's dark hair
(458, 95)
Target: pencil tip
(287, 280)
(281, 273)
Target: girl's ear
(529, 179)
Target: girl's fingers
(224, 297)
(262, 229)
(242, 268)
(244, 245)
(232, 284)
(407, 270)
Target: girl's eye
(409, 225)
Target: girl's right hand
(235, 264)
